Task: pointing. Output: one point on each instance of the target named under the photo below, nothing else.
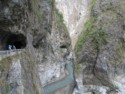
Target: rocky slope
(75, 13)
(100, 50)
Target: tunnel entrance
(10, 40)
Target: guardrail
(10, 51)
(6, 53)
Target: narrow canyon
(62, 47)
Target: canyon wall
(42, 47)
(100, 49)
(62, 47)
(75, 13)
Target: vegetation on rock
(98, 36)
(59, 21)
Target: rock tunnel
(16, 40)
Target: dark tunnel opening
(10, 41)
(63, 46)
(16, 40)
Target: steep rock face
(75, 13)
(18, 74)
(100, 49)
(38, 25)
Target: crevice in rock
(63, 46)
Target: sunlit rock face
(75, 13)
(100, 49)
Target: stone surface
(100, 48)
(75, 13)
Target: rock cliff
(100, 49)
(35, 48)
(75, 13)
(62, 47)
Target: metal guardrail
(10, 51)
(6, 53)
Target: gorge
(62, 47)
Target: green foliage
(92, 3)
(59, 17)
(77, 68)
(7, 87)
(60, 21)
(97, 36)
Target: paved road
(50, 88)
